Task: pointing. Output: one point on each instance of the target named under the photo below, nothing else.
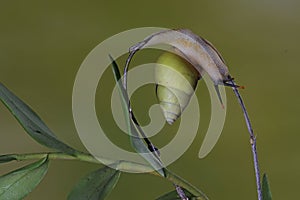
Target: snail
(198, 52)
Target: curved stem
(252, 141)
(122, 165)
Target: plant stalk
(252, 141)
(122, 165)
(177, 180)
(150, 145)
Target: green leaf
(173, 195)
(19, 183)
(6, 158)
(31, 122)
(266, 192)
(135, 137)
(96, 185)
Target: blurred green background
(43, 44)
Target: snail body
(199, 54)
(198, 51)
(176, 81)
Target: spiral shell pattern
(176, 81)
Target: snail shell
(176, 81)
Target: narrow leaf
(6, 158)
(96, 185)
(173, 195)
(19, 183)
(135, 137)
(31, 122)
(266, 192)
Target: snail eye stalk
(230, 83)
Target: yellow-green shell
(176, 81)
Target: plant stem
(252, 141)
(180, 192)
(177, 180)
(121, 165)
(150, 145)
